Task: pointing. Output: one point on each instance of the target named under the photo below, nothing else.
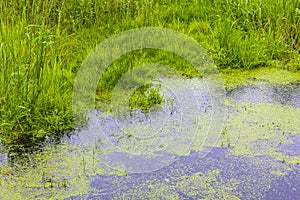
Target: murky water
(172, 154)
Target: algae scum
(170, 152)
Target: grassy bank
(43, 43)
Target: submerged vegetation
(43, 43)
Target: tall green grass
(42, 44)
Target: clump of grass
(35, 89)
(146, 98)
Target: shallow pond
(172, 152)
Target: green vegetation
(145, 98)
(43, 43)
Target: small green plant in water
(146, 98)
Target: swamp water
(171, 153)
